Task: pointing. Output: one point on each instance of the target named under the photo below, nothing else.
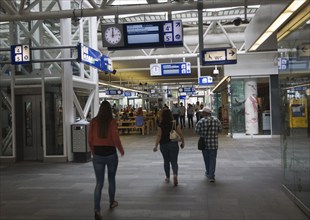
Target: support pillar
(251, 106)
(67, 82)
(165, 94)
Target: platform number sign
(20, 54)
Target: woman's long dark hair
(104, 117)
(166, 117)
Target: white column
(251, 107)
(165, 94)
(93, 41)
(67, 82)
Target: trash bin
(266, 120)
(80, 148)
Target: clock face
(155, 69)
(113, 35)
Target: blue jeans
(170, 152)
(99, 163)
(209, 157)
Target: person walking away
(209, 127)
(103, 140)
(190, 115)
(197, 108)
(168, 148)
(182, 115)
(176, 112)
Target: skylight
(129, 2)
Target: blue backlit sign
(114, 92)
(170, 69)
(89, 56)
(106, 64)
(205, 80)
(20, 54)
(94, 58)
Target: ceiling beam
(119, 10)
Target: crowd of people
(104, 142)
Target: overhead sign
(94, 58)
(89, 56)
(20, 54)
(169, 69)
(283, 63)
(219, 56)
(187, 89)
(114, 92)
(304, 51)
(127, 93)
(142, 35)
(205, 80)
(106, 64)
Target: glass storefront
(294, 78)
(234, 103)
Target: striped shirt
(209, 128)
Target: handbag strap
(173, 125)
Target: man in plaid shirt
(209, 127)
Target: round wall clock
(113, 35)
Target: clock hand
(112, 32)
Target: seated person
(125, 118)
(139, 121)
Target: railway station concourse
(247, 60)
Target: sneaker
(212, 180)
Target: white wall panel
(253, 64)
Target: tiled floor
(247, 187)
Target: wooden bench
(132, 127)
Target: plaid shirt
(209, 127)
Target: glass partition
(294, 76)
(237, 105)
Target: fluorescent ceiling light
(302, 17)
(295, 5)
(220, 83)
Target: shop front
(244, 99)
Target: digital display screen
(151, 35)
(143, 34)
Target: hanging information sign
(20, 54)
(170, 69)
(219, 56)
